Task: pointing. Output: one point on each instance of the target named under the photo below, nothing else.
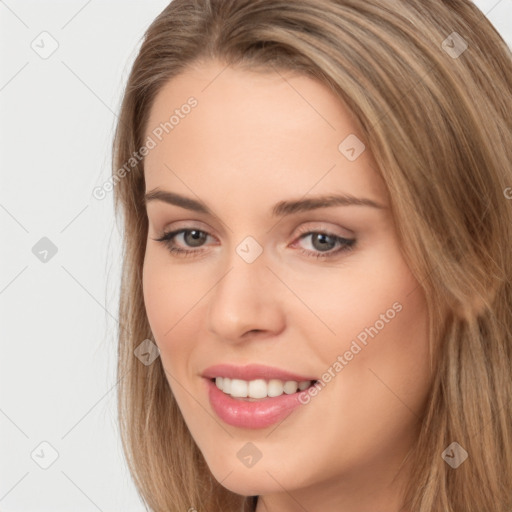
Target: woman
(316, 298)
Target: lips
(250, 415)
(253, 372)
(247, 413)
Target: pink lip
(241, 413)
(252, 372)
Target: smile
(259, 388)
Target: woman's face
(320, 292)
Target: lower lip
(244, 414)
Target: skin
(253, 140)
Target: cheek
(385, 336)
(379, 315)
(372, 291)
(166, 311)
(395, 321)
(167, 302)
(175, 301)
(386, 385)
(156, 300)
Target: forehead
(253, 132)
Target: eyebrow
(280, 209)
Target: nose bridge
(244, 299)
(247, 262)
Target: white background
(58, 319)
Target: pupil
(196, 237)
(322, 239)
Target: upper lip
(252, 372)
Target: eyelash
(347, 244)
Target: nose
(247, 300)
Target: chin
(262, 478)
(248, 485)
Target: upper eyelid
(316, 226)
(303, 231)
(173, 233)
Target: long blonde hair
(430, 83)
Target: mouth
(259, 389)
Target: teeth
(304, 385)
(259, 388)
(239, 388)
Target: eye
(322, 243)
(191, 237)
